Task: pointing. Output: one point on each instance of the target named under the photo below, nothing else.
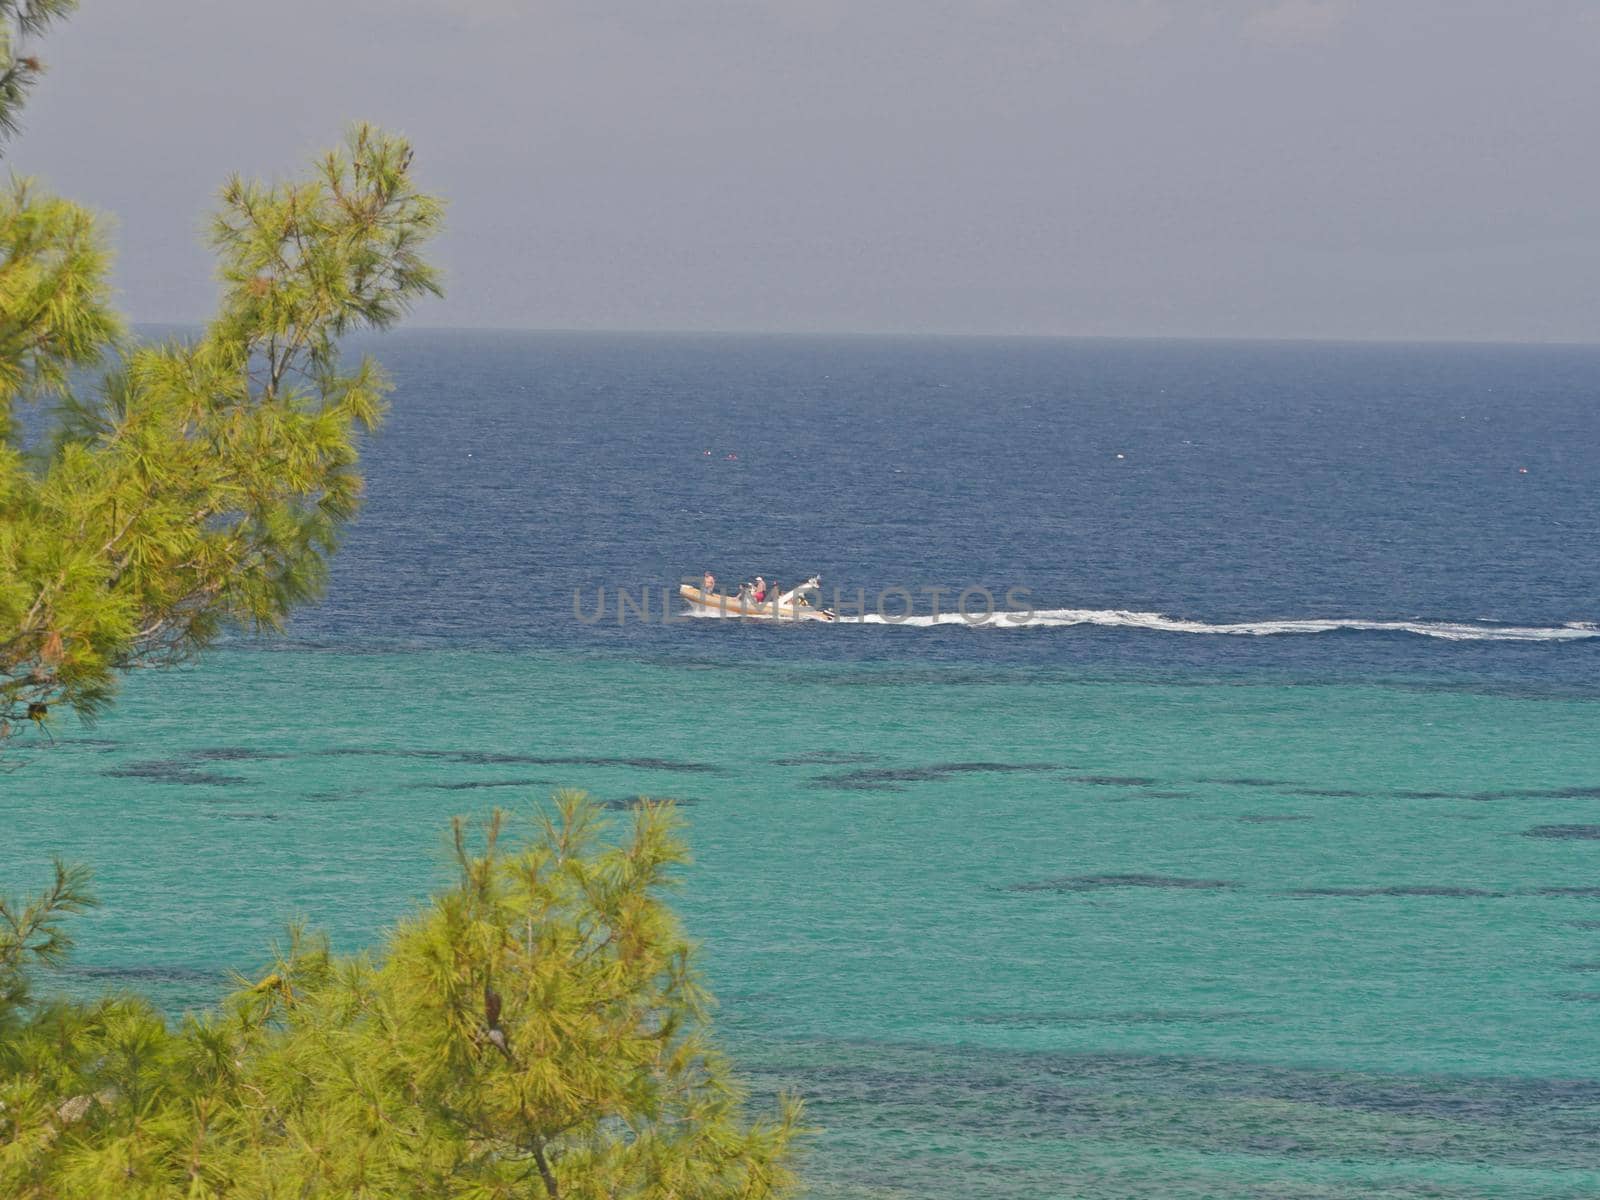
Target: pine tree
(537, 1030)
(19, 71)
(198, 484)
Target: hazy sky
(1275, 168)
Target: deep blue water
(1258, 482)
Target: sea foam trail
(1453, 631)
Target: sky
(1388, 169)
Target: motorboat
(792, 605)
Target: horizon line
(972, 335)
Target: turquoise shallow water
(1014, 932)
(1267, 864)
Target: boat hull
(714, 604)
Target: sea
(1253, 852)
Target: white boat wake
(1047, 618)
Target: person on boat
(708, 585)
(774, 592)
(760, 593)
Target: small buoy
(1122, 456)
(1522, 470)
(732, 457)
(708, 454)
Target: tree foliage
(197, 484)
(203, 483)
(538, 1029)
(19, 70)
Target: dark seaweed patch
(1191, 1104)
(1583, 924)
(494, 758)
(473, 784)
(1251, 781)
(824, 758)
(886, 778)
(1443, 892)
(172, 770)
(334, 795)
(1137, 781)
(625, 803)
(1294, 789)
(1272, 818)
(956, 768)
(1583, 966)
(1570, 891)
(147, 974)
(1584, 792)
(232, 754)
(1169, 795)
(1576, 833)
(378, 752)
(1581, 997)
(1089, 883)
(583, 760)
